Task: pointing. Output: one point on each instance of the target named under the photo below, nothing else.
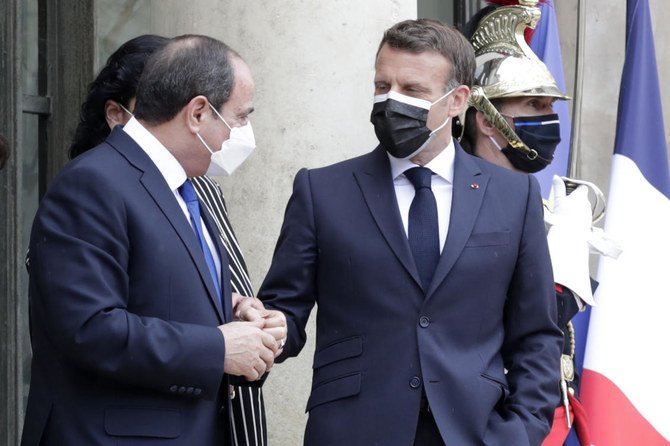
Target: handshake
(254, 339)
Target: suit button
(415, 382)
(197, 391)
(189, 390)
(182, 389)
(424, 321)
(174, 388)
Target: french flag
(626, 379)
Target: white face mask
(234, 151)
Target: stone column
(313, 63)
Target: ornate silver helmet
(507, 67)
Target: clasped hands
(254, 339)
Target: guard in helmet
(511, 122)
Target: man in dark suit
(130, 291)
(436, 310)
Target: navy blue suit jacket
(123, 310)
(382, 339)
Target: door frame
(66, 49)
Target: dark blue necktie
(423, 231)
(187, 192)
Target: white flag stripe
(633, 298)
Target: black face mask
(400, 128)
(540, 133)
(400, 125)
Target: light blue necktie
(187, 192)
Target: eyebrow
(415, 86)
(543, 99)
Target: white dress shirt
(441, 184)
(172, 172)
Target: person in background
(130, 289)
(511, 122)
(430, 269)
(109, 102)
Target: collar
(442, 165)
(167, 164)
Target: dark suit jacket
(123, 310)
(381, 339)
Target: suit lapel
(155, 185)
(469, 188)
(376, 184)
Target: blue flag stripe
(640, 133)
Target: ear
(196, 112)
(483, 125)
(459, 100)
(114, 114)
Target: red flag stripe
(614, 419)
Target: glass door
(453, 12)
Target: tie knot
(419, 177)
(187, 192)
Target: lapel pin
(474, 186)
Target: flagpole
(573, 159)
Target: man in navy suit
(130, 296)
(436, 310)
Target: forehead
(395, 65)
(244, 88)
(523, 101)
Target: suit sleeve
(290, 283)
(80, 256)
(532, 345)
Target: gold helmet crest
(506, 67)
